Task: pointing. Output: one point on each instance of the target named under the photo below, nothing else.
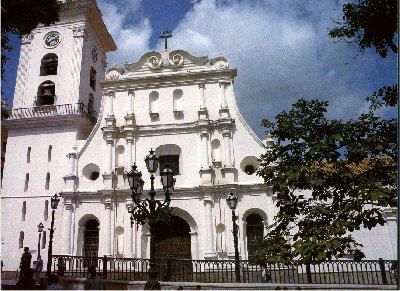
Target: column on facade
(107, 230)
(210, 243)
(73, 161)
(109, 154)
(226, 134)
(204, 150)
(67, 226)
(129, 150)
(222, 94)
(131, 97)
(202, 88)
(111, 96)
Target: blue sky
(281, 49)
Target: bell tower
(62, 64)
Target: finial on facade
(165, 35)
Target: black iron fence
(50, 110)
(371, 272)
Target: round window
(249, 169)
(91, 172)
(94, 175)
(249, 165)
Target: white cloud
(282, 52)
(132, 39)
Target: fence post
(308, 272)
(383, 272)
(104, 267)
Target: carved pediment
(157, 61)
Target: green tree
(330, 178)
(20, 17)
(369, 23)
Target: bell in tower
(46, 94)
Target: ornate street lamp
(150, 209)
(40, 230)
(232, 201)
(54, 204)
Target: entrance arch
(173, 241)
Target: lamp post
(54, 203)
(232, 201)
(40, 230)
(150, 209)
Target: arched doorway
(173, 243)
(91, 238)
(173, 240)
(254, 233)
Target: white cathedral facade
(77, 128)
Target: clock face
(52, 39)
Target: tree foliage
(20, 17)
(330, 178)
(369, 23)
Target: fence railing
(50, 110)
(371, 272)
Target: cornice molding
(167, 79)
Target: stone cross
(165, 35)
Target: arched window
(93, 78)
(23, 212)
(154, 104)
(178, 102)
(254, 233)
(46, 94)
(49, 153)
(46, 210)
(216, 150)
(26, 182)
(49, 64)
(44, 239)
(28, 155)
(47, 185)
(21, 239)
(169, 155)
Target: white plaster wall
(39, 140)
(12, 224)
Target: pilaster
(79, 35)
(67, 229)
(108, 226)
(224, 110)
(210, 251)
(205, 170)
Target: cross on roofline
(165, 35)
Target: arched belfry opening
(91, 238)
(46, 94)
(49, 64)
